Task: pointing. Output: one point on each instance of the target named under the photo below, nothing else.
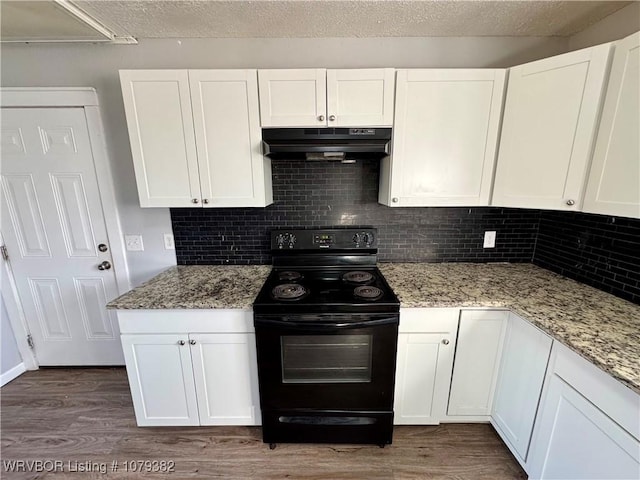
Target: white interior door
(53, 225)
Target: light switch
(168, 242)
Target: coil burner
(358, 276)
(367, 292)
(288, 291)
(289, 276)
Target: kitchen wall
(598, 250)
(97, 66)
(322, 194)
(618, 25)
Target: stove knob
(292, 240)
(280, 240)
(368, 239)
(356, 239)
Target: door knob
(445, 342)
(321, 118)
(192, 342)
(332, 118)
(180, 342)
(104, 266)
(102, 247)
(571, 202)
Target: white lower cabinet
(161, 379)
(522, 369)
(588, 425)
(426, 342)
(475, 369)
(191, 377)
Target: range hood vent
(334, 144)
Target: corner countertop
(197, 286)
(602, 328)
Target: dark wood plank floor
(76, 416)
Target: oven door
(327, 362)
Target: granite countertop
(602, 328)
(197, 286)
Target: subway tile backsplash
(598, 250)
(324, 194)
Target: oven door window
(326, 358)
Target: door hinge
(30, 342)
(5, 253)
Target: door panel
(614, 181)
(228, 138)
(550, 119)
(52, 223)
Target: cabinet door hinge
(30, 342)
(5, 253)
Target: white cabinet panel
(424, 363)
(293, 98)
(575, 440)
(226, 378)
(161, 379)
(360, 97)
(614, 180)
(522, 369)
(228, 138)
(588, 425)
(445, 138)
(158, 109)
(551, 113)
(320, 98)
(475, 369)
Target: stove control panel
(324, 239)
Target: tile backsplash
(599, 250)
(328, 194)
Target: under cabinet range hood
(340, 144)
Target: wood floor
(75, 416)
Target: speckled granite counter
(197, 286)
(602, 328)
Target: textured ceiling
(351, 18)
(45, 20)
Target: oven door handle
(319, 325)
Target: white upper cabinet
(158, 109)
(320, 98)
(550, 118)
(195, 138)
(444, 139)
(233, 172)
(614, 180)
(360, 97)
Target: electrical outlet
(168, 242)
(134, 243)
(489, 240)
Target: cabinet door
(157, 105)
(614, 180)
(293, 98)
(576, 440)
(522, 369)
(233, 172)
(444, 139)
(475, 368)
(226, 377)
(548, 130)
(161, 379)
(423, 370)
(360, 97)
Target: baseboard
(9, 375)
